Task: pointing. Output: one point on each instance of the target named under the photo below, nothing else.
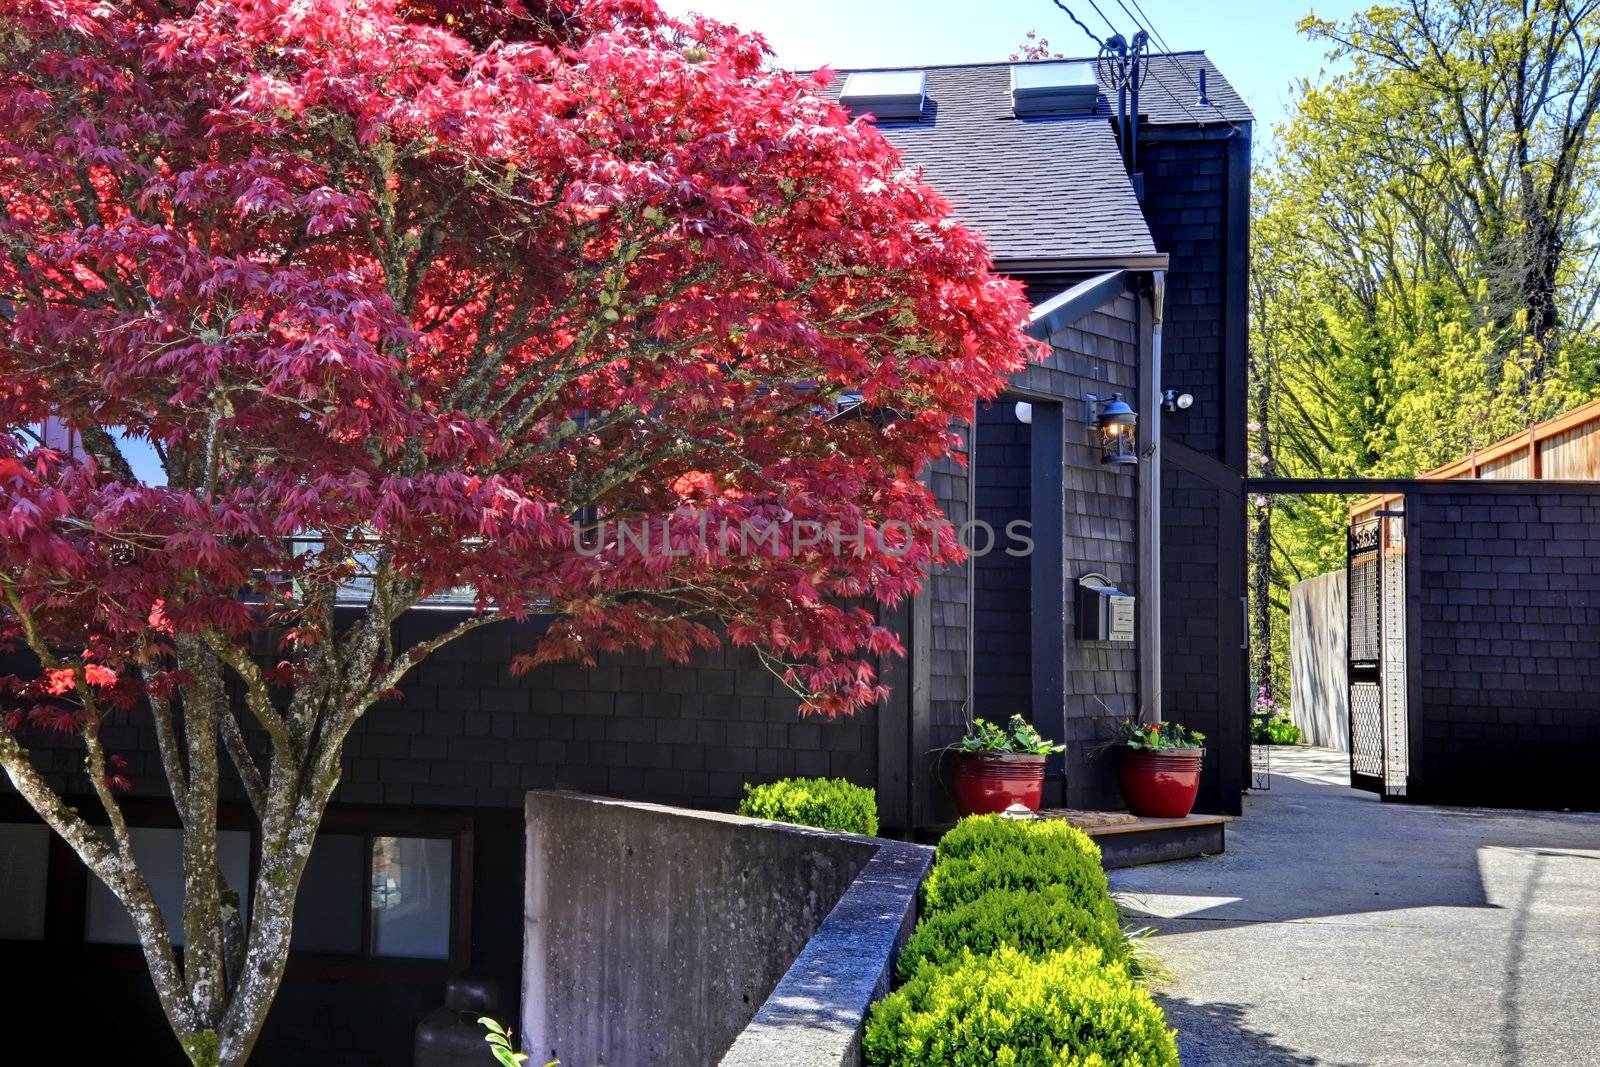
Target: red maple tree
(399, 297)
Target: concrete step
(1128, 840)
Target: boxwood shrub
(828, 803)
(1064, 1009)
(988, 852)
(1035, 922)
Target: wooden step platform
(1128, 840)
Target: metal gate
(1376, 585)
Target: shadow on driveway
(1338, 929)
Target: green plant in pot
(1270, 722)
(1160, 767)
(998, 766)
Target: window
(368, 895)
(411, 897)
(1058, 88)
(886, 94)
(159, 853)
(327, 914)
(24, 857)
(377, 895)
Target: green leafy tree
(1425, 265)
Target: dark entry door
(1376, 581)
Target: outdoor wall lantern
(1114, 421)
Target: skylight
(886, 94)
(1054, 88)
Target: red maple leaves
(417, 290)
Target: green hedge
(828, 803)
(1034, 921)
(1065, 1009)
(985, 833)
(988, 852)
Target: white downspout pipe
(1149, 532)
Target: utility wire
(1102, 14)
(1092, 35)
(1147, 71)
(1149, 26)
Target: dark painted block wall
(470, 732)
(1001, 608)
(1506, 690)
(1202, 625)
(1197, 204)
(467, 732)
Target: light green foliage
(1421, 279)
(985, 852)
(503, 1047)
(1276, 729)
(203, 1048)
(828, 803)
(1066, 1008)
(1035, 922)
(1159, 736)
(1017, 736)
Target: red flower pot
(990, 783)
(1161, 784)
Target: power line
(1092, 35)
(1149, 72)
(1149, 26)
(1114, 31)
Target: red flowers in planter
(1160, 768)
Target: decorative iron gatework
(1260, 768)
(1376, 595)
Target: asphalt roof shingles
(1045, 188)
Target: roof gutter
(1075, 264)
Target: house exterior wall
(1197, 202)
(468, 732)
(1505, 706)
(1098, 355)
(1202, 617)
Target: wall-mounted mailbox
(1105, 613)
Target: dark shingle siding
(1508, 652)
(1097, 354)
(1186, 201)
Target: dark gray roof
(1169, 93)
(1043, 189)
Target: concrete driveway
(1342, 930)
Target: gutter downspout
(1149, 530)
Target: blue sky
(1253, 43)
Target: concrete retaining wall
(653, 935)
(1318, 643)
